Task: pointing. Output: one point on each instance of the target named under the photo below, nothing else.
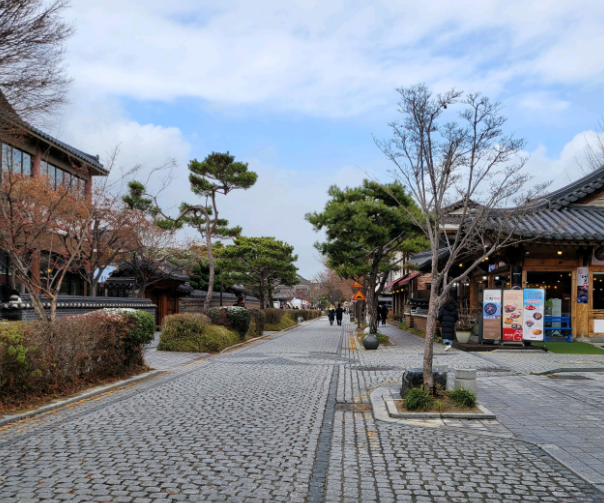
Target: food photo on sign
(534, 305)
(491, 315)
(512, 315)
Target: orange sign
(359, 296)
(356, 284)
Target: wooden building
(563, 239)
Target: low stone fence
(71, 305)
(195, 305)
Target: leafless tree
(472, 163)
(594, 152)
(32, 74)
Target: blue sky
(298, 88)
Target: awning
(403, 280)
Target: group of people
(336, 314)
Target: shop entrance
(558, 290)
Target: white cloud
(329, 58)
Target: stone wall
(195, 305)
(72, 305)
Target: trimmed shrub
(274, 316)
(285, 322)
(257, 323)
(15, 364)
(233, 317)
(194, 333)
(217, 338)
(183, 332)
(418, 399)
(462, 398)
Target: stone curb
(392, 412)
(568, 369)
(82, 396)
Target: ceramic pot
(371, 341)
(463, 337)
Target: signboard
(534, 306)
(582, 285)
(512, 315)
(491, 315)
(358, 296)
(356, 284)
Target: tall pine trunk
(206, 304)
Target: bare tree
(594, 152)
(472, 163)
(32, 75)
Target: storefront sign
(491, 315)
(534, 306)
(582, 285)
(512, 315)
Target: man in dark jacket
(448, 316)
(339, 313)
(331, 314)
(384, 314)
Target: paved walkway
(286, 419)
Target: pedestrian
(384, 313)
(331, 314)
(339, 313)
(448, 317)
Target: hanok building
(562, 252)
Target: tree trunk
(206, 304)
(94, 286)
(261, 295)
(430, 326)
(53, 308)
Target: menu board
(534, 306)
(512, 315)
(491, 315)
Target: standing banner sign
(582, 285)
(534, 306)
(491, 315)
(512, 315)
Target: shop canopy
(402, 281)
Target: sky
(300, 88)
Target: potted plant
(463, 330)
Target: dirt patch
(448, 406)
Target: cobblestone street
(286, 419)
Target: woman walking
(448, 316)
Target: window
(598, 290)
(26, 164)
(16, 165)
(7, 157)
(58, 177)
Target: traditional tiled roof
(576, 190)
(88, 159)
(573, 223)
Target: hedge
(282, 324)
(257, 324)
(234, 318)
(42, 358)
(194, 333)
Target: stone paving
(285, 419)
(169, 360)
(539, 362)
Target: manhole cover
(353, 407)
(569, 377)
(375, 369)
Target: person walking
(339, 313)
(384, 314)
(331, 314)
(448, 317)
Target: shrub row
(59, 357)
(195, 333)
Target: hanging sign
(359, 296)
(512, 315)
(491, 315)
(357, 284)
(582, 285)
(534, 306)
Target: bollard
(465, 378)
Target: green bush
(462, 397)
(285, 322)
(273, 316)
(183, 332)
(418, 399)
(15, 365)
(234, 318)
(217, 338)
(257, 323)
(193, 333)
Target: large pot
(463, 337)
(370, 341)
